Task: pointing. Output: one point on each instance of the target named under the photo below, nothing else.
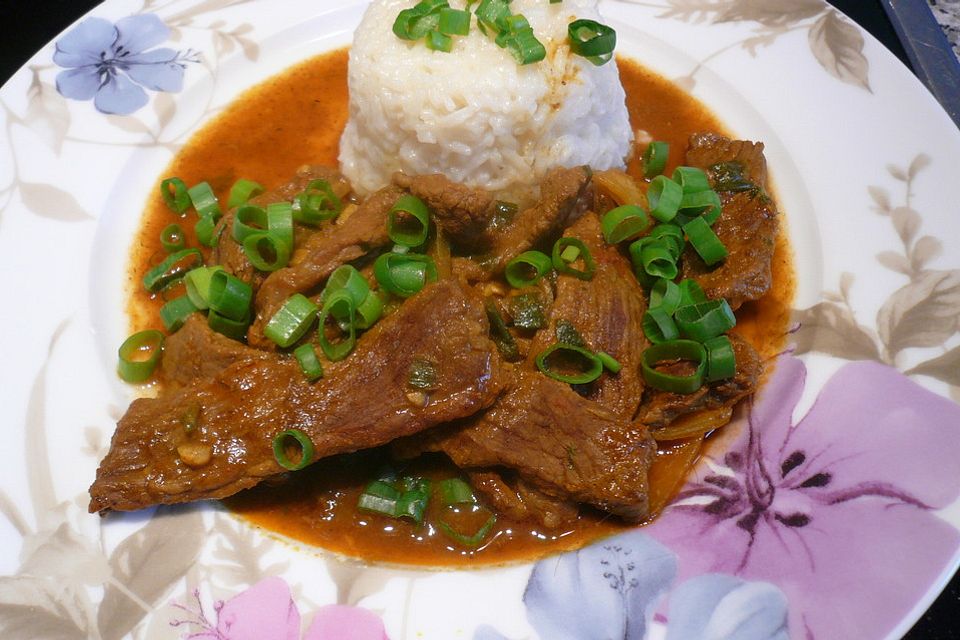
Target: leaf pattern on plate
(838, 47)
(32, 608)
(238, 554)
(47, 113)
(48, 201)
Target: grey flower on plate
(715, 606)
(112, 64)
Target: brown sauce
(296, 118)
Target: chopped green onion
(672, 352)
(655, 158)
(139, 355)
(492, 12)
(527, 269)
(672, 235)
(179, 198)
(341, 306)
(664, 196)
(229, 296)
(417, 22)
(280, 221)
(609, 362)
(624, 223)
(292, 320)
(266, 251)
(309, 362)
(456, 491)
(346, 277)
(659, 326)
(437, 41)
(248, 220)
(592, 40)
(665, 295)
(653, 258)
(525, 47)
(297, 440)
(379, 497)
(369, 310)
(691, 179)
(454, 22)
(413, 501)
(499, 333)
(406, 274)
(721, 359)
(235, 329)
(204, 201)
(172, 238)
(705, 241)
(562, 266)
(705, 204)
(175, 313)
(589, 365)
(241, 192)
(570, 254)
(197, 283)
(316, 203)
(408, 222)
(472, 540)
(173, 267)
(691, 293)
(705, 320)
(205, 229)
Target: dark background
(25, 26)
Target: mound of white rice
(475, 114)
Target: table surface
(27, 26)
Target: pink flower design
(266, 611)
(835, 510)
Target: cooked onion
(695, 424)
(619, 187)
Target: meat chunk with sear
(464, 214)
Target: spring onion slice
(672, 235)
(624, 223)
(280, 221)
(562, 266)
(341, 306)
(408, 221)
(525, 47)
(197, 283)
(379, 497)
(674, 351)
(248, 220)
(241, 192)
(293, 320)
(591, 367)
(655, 158)
(664, 196)
(404, 274)
(721, 360)
(417, 22)
(175, 194)
(437, 41)
(691, 179)
(235, 329)
(592, 40)
(454, 22)
(316, 203)
(370, 310)
(174, 313)
(293, 439)
(346, 278)
(705, 320)
(172, 238)
(229, 296)
(472, 540)
(139, 355)
(705, 241)
(658, 260)
(526, 269)
(309, 362)
(456, 491)
(691, 293)
(413, 501)
(173, 267)
(705, 204)
(206, 231)
(204, 201)
(665, 295)
(609, 362)
(570, 254)
(659, 326)
(266, 251)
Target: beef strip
(463, 213)
(565, 194)
(660, 408)
(748, 226)
(214, 437)
(363, 232)
(229, 253)
(561, 443)
(607, 311)
(510, 496)
(197, 351)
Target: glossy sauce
(296, 118)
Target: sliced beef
(364, 231)
(214, 437)
(565, 195)
(748, 226)
(463, 213)
(660, 408)
(607, 311)
(510, 496)
(560, 443)
(229, 253)
(196, 351)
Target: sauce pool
(296, 118)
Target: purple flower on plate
(266, 611)
(836, 510)
(112, 64)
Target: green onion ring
(665, 295)
(664, 196)
(705, 241)
(346, 277)
(280, 221)
(173, 267)
(691, 293)
(177, 200)
(658, 260)
(204, 201)
(292, 321)
(408, 211)
(316, 203)
(562, 266)
(174, 313)
(594, 41)
(721, 359)
(309, 362)
(404, 274)
(197, 283)
(705, 204)
(456, 491)
(655, 158)
(609, 362)
(340, 305)
(172, 238)
(592, 370)
(659, 326)
(266, 251)
(241, 192)
(304, 444)
(691, 179)
(526, 269)
(379, 497)
(229, 296)
(673, 351)
(370, 310)
(454, 22)
(234, 329)
(473, 540)
(672, 235)
(134, 368)
(705, 320)
(624, 223)
(248, 220)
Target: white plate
(832, 513)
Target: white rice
(475, 114)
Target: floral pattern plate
(830, 510)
